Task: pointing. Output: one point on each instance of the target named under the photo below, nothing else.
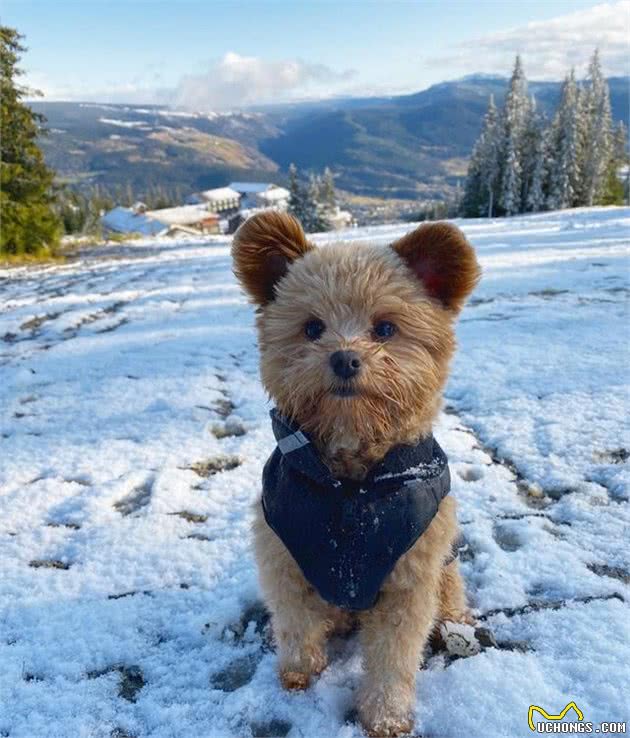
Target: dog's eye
(384, 329)
(313, 329)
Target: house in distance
(261, 195)
(222, 200)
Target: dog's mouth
(345, 390)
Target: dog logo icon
(546, 715)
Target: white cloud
(235, 81)
(549, 48)
(231, 82)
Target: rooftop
(220, 193)
(275, 193)
(182, 215)
(125, 220)
(250, 187)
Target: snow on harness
(347, 535)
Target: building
(222, 200)
(339, 218)
(275, 197)
(187, 219)
(130, 220)
(261, 195)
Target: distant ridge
(411, 146)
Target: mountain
(407, 146)
(404, 146)
(117, 145)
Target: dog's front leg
(300, 619)
(393, 636)
(300, 629)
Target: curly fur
(419, 284)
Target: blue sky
(227, 54)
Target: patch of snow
(132, 437)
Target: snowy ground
(133, 429)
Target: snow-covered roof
(273, 194)
(250, 187)
(182, 215)
(219, 194)
(125, 220)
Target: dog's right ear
(262, 250)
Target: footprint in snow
(131, 679)
(215, 465)
(506, 537)
(231, 428)
(224, 407)
(138, 498)
(614, 572)
(254, 618)
(272, 729)
(471, 473)
(236, 674)
(49, 564)
(190, 517)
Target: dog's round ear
(262, 250)
(442, 259)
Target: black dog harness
(347, 535)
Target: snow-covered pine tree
(490, 153)
(296, 195)
(620, 143)
(304, 202)
(614, 191)
(511, 185)
(315, 219)
(564, 174)
(532, 152)
(622, 161)
(482, 179)
(327, 194)
(537, 191)
(582, 125)
(471, 201)
(598, 133)
(515, 114)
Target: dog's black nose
(345, 364)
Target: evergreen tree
(537, 192)
(315, 217)
(296, 195)
(616, 181)
(327, 194)
(483, 170)
(304, 202)
(598, 133)
(620, 143)
(490, 153)
(28, 224)
(471, 202)
(516, 112)
(532, 152)
(564, 175)
(511, 189)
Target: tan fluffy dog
(418, 285)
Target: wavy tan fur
(350, 287)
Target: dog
(355, 343)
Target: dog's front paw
(294, 680)
(295, 673)
(384, 717)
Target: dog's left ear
(263, 248)
(442, 259)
